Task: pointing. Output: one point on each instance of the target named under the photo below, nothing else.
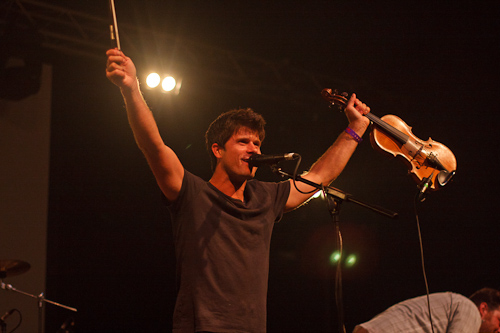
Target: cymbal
(13, 268)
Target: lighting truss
(79, 33)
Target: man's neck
(231, 188)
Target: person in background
(451, 313)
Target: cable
(338, 283)
(295, 170)
(423, 262)
(20, 319)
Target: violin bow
(113, 27)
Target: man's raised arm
(162, 160)
(333, 161)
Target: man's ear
(217, 150)
(483, 309)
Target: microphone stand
(338, 195)
(335, 198)
(41, 301)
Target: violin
(429, 162)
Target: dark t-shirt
(222, 249)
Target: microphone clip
(424, 186)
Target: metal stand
(339, 195)
(334, 204)
(335, 198)
(41, 302)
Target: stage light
(334, 257)
(153, 80)
(164, 83)
(168, 83)
(351, 260)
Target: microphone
(427, 181)
(7, 314)
(260, 159)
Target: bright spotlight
(168, 83)
(153, 80)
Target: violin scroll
(335, 98)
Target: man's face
(237, 151)
(491, 321)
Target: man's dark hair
(228, 123)
(489, 296)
